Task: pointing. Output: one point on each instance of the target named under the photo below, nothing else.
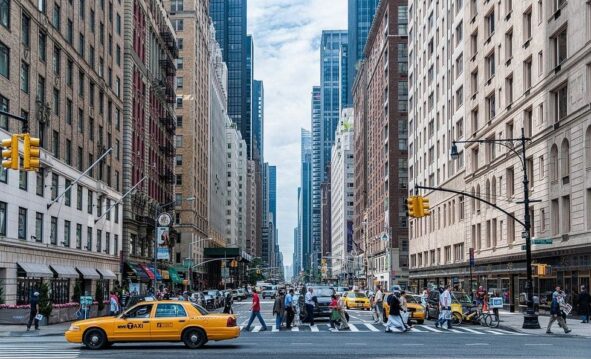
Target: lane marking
(412, 344)
(477, 344)
(472, 331)
(371, 327)
(508, 332)
(430, 329)
(537, 344)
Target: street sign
(542, 241)
(187, 262)
(385, 237)
(524, 234)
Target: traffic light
(10, 153)
(258, 271)
(323, 261)
(424, 208)
(31, 153)
(542, 270)
(234, 263)
(412, 205)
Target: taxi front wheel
(194, 338)
(95, 339)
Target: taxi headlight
(74, 328)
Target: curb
(28, 334)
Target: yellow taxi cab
(414, 306)
(356, 300)
(155, 321)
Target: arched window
(564, 160)
(554, 163)
(487, 191)
(478, 195)
(493, 190)
(588, 148)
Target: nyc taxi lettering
(135, 325)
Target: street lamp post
(530, 318)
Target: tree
(1, 292)
(45, 305)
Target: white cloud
(287, 59)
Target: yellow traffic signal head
(411, 204)
(31, 153)
(425, 208)
(234, 263)
(10, 153)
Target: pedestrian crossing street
(31, 350)
(377, 328)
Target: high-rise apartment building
(342, 184)
(61, 68)
(360, 16)
(229, 19)
(380, 109)
(192, 27)
(525, 67)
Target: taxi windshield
(356, 295)
(461, 298)
(411, 299)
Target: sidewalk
(21, 330)
(514, 321)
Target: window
(78, 236)
(510, 229)
(99, 240)
(474, 81)
(56, 17)
(54, 186)
(70, 72)
(527, 26)
(4, 60)
(565, 161)
(26, 30)
(490, 65)
(42, 46)
(40, 182)
(5, 13)
(4, 119)
(565, 210)
(527, 74)
(528, 122)
(475, 124)
(178, 25)
(490, 23)
(490, 107)
(176, 5)
(88, 239)
(79, 197)
(459, 65)
(560, 98)
(53, 231)
(510, 184)
(530, 172)
(24, 77)
(3, 218)
(459, 33)
(474, 45)
(509, 45)
(509, 90)
(70, 32)
(22, 223)
(107, 242)
(179, 160)
(170, 311)
(475, 159)
(559, 47)
(89, 204)
(39, 227)
(179, 141)
(57, 58)
(23, 180)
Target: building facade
(63, 72)
(342, 184)
(528, 71)
(325, 214)
(236, 188)
(380, 103)
(305, 201)
(326, 107)
(360, 17)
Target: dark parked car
(322, 297)
(210, 303)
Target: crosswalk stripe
(242, 327)
(494, 332)
(314, 329)
(455, 331)
(471, 330)
(415, 329)
(295, 329)
(371, 327)
(353, 328)
(430, 329)
(257, 329)
(275, 329)
(508, 332)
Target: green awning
(174, 276)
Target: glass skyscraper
(361, 13)
(305, 200)
(258, 120)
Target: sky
(287, 59)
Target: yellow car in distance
(356, 300)
(155, 321)
(414, 306)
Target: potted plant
(45, 305)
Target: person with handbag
(395, 320)
(34, 302)
(114, 304)
(379, 304)
(289, 309)
(342, 312)
(444, 308)
(334, 314)
(279, 310)
(556, 312)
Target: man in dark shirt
(34, 310)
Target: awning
(138, 272)
(147, 270)
(65, 271)
(165, 274)
(157, 273)
(174, 276)
(107, 274)
(35, 270)
(88, 273)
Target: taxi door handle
(181, 321)
(146, 321)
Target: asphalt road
(424, 342)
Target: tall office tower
(326, 107)
(148, 125)
(236, 183)
(341, 188)
(251, 208)
(258, 121)
(297, 248)
(273, 192)
(218, 119)
(266, 217)
(525, 69)
(66, 79)
(305, 202)
(360, 16)
(325, 214)
(229, 19)
(248, 95)
(193, 31)
(381, 140)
